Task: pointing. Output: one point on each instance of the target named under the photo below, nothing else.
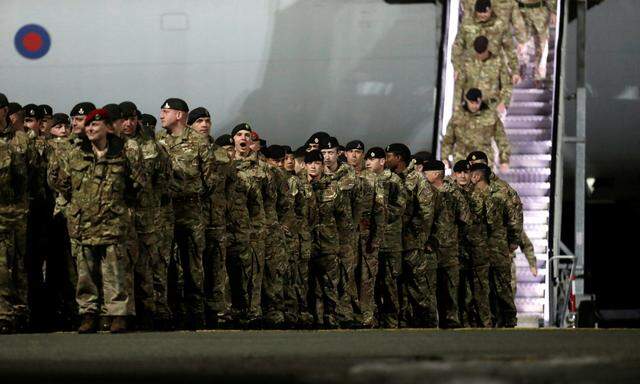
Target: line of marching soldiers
(105, 225)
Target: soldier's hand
(501, 108)
(534, 270)
(504, 167)
(516, 79)
(446, 163)
(513, 247)
(552, 18)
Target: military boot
(89, 324)
(118, 324)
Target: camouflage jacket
(191, 162)
(345, 177)
(329, 216)
(514, 206)
(222, 191)
(59, 149)
(473, 236)
(491, 76)
(101, 191)
(257, 184)
(494, 29)
(13, 186)
(395, 197)
(373, 220)
(499, 225)
(285, 199)
(24, 149)
(452, 212)
(420, 209)
(506, 10)
(468, 132)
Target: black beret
(148, 120)
(300, 152)
(479, 167)
(4, 102)
(375, 153)
(287, 149)
(355, 144)
(224, 140)
(433, 165)
(473, 94)
(275, 152)
(175, 103)
(317, 137)
(13, 108)
(114, 111)
(461, 166)
(60, 118)
(82, 109)
(98, 115)
(32, 110)
(480, 44)
(422, 157)
(312, 156)
(46, 110)
(129, 109)
(329, 143)
(197, 114)
(400, 150)
(477, 155)
(240, 127)
(482, 5)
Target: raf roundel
(32, 41)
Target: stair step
(527, 122)
(536, 231)
(531, 290)
(529, 108)
(524, 276)
(531, 94)
(532, 161)
(530, 304)
(521, 261)
(536, 217)
(535, 202)
(526, 175)
(531, 147)
(529, 320)
(529, 134)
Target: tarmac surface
(364, 356)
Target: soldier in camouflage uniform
(393, 197)
(329, 216)
(475, 310)
(473, 128)
(538, 14)
(151, 301)
(453, 212)
(507, 11)
(349, 312)
(419, 267)
(13, 182)
(503, 234)
(371, 231)
(488, 73)
(101, 178)
(484, 22)
(247, 228)
(192, 163)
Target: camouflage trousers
(105, 279)
(215, 273)
(503, 306)
(418, 282)
(148, 250)
(19, 271)
(387, 298)
(275, 265)
(323, 286)
(348, 305)
(62, 275)
(448, 283)
(537, 22)
(245, 266)
(296, 283)
(160, 260)
(8, 290)
(473, 296)
(189, 242)
(366, 284)
(509, 13)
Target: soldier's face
(289, 163)
(169, 117)
(314, 169)
(32, 123)
(242, 141)
(202, 125)
(484, 16)
(129, 125)
(462, 178)
(475, 177)
(96, 131)
(77, 124)
(432, 176)
(392, 160)
(16, 119)
(275, 162)
(419, 167)
(312, 147)
(354, 157)
(375, 165)
(474, 106)
(46, 123)
(330, 157)
(60, 130)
